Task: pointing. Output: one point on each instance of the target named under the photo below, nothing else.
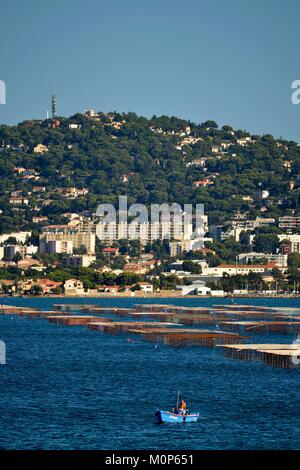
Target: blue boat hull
(168, 417)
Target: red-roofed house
(48, 285)
(110, 252)
(201, 183)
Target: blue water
(71, 388)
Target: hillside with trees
(162, 159)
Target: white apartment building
(145, 232)
(289, 222)
(174, 228)
(279, 259)
(252, 224)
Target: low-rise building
(110, 252)
(243, 269)
(289, 222)
(9, 251)
(40, 148)
(73, 193)
(7, 285)
(141, 267)
(56, 247)
(177, 265)
(240, 225)
(74, 126)
(19, 201)
(19, 169)
(201, 183)
(244, 141)
(246, 224)
(73, 287)
(28, 262)
(199, 288)
(146, 287)
(278, 258)
(78, 261)
(39, 219)
(48, 285)
(20, 237)
(290, 243)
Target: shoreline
(164, 294)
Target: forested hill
(162, 159)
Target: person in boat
(183, 407)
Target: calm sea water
(70, 388)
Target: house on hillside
(201, 183)
(40, 148)
(73, 287)
(146, 287)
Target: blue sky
(228, 60)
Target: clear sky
(228, 60)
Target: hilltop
(63, 165)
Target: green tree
(266, 243)
(36, 289)
(294, 260)
(17, 257)
(191, 267)
(81, 250)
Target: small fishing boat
(177, 415)
(169, 417)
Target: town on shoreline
(55, 173)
